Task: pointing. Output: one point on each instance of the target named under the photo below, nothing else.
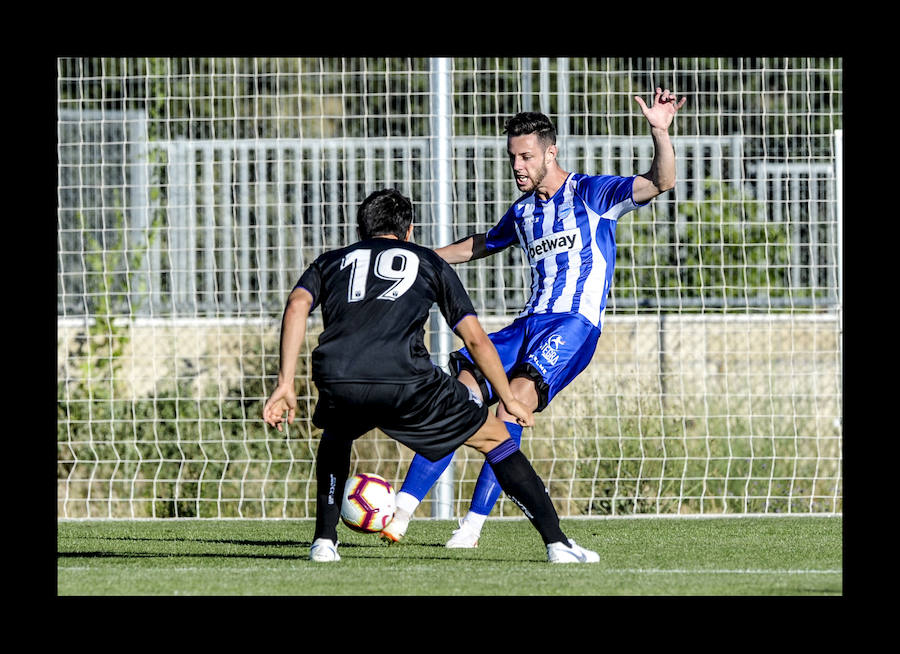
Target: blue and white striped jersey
(570, 243)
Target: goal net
(193, 192)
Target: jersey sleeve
(311, 280)
(452, 298)
(503, 234)
(609, 195)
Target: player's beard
(531, 183)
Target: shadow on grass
(172, 555)
(183, 539)
(359, 549)
(243, 542)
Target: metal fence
(219, 228)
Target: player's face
(528, 161)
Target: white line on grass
(654, 571)
(626, 571)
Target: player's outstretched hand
(283, 400)
(665, 106)
(523, 416)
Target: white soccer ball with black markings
(368, 504)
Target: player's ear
(409, 233)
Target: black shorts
(432, 416)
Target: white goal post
(193, 192)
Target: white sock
(475, 520)
(407, 504)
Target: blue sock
(423, 474)
(487, 489)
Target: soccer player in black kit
(372, 369)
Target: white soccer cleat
(466, 537)
(571, 553)
(323, 550)
(396, 528)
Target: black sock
(523, 486)
(332, 470)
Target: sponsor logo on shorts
(549, 353)
(549, 350)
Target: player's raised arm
(293, 330)
(486, 358)
(661, 176)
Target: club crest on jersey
(555, 243)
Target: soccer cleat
(571, 553)
(395, 529)
(466, 537)
(323, 550)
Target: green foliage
(728, 247)
(721, 249)
(234, 97)
(186, 450)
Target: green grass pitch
(762, 556)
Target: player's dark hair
(384, 212)
(532, 122)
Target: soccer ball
(368, 504)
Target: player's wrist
(285, 381)
(509, 402)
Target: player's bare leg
(466, 378)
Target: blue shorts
(550, 349)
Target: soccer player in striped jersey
(566, 224)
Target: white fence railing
(224, 228)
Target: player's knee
(524, 391)
(481, 443)
(492, 433)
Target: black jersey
(376, 296)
